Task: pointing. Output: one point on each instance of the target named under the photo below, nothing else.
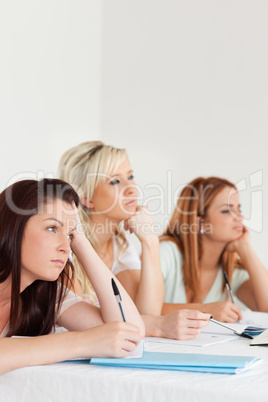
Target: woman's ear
(84, 201)
(200, 224)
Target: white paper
(203, 339)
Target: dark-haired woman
(39, 226)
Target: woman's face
(224, 217)
(46, 242)
(116, 198)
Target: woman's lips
(131, 202)
(60, 263)
(240, 228)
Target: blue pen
(118, 298)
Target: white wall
(185, 90)
(49, 82)
(181, 84)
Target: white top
(171, 265)
(70, 299)
(128, 259)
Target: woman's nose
(239, 217)
(64, 245)
(130, 189)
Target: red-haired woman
(205, 237)
(39, 226)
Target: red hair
(192, 205)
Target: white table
(85, 382)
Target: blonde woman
(205, 237)
(103, 177)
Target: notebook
(260, 340)
(184, 362)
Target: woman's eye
(226, 211)
(113, 182)
(52, 229)
(131, 177)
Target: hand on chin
(234, 245)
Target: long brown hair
(32, 311)
(192, 205)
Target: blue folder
(183, 362)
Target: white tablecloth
(85, 382)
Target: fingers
(126, 332)
(128, 345)
(232, 312)
(128, 226)
(184, 324)
(194, 318)
(197, 315)
(141, 223)
(115, 339)
(245, 229)
(226, 312)
(230, 316)
(128, 336)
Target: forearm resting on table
(170, 307)
(180, 324)
(23, 352)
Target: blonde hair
(192, 205)
(85, 167)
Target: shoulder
(240, 275)
(69, 299)
(169, 248)
(170, 256)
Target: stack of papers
(184, 362)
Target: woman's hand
(114, 339)
(180, 324)
(141, 223)
(184, 324)
(223, 311)
(149, 290)
(236, 245)
(78, 237)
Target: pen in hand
(229, 289)
(231, 329)
(228, 286)
(118, 298)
